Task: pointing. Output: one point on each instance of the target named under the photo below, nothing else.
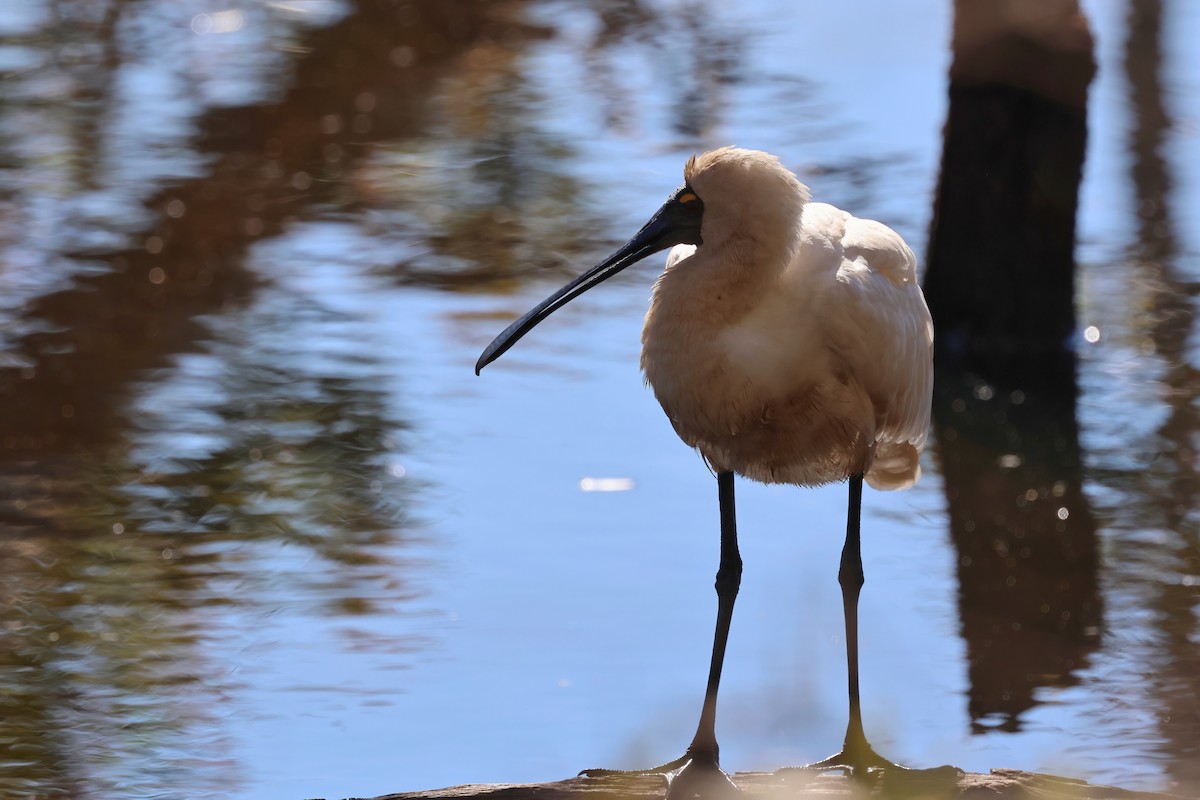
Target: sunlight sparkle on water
(606, 484)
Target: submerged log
(798, 784)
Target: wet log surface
(999, 784)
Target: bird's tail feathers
(896, 465)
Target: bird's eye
(689, 200)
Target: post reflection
(999, 283)
(1023, 535)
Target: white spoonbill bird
(788, 342)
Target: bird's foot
(855, 758)
(859, 761)
(694, 775)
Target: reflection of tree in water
(284, 453)
(1163, 572)
(127, 562)
(687, 48)
(487, 196)
(147, 497)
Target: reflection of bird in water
(788, 342)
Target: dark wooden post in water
(1000, 285)
(1001, 259)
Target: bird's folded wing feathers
(880, 323)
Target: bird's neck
(723, 282)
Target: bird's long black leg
(729, 579)
(857, 756)
(856, 753)
(851, 579)
(697, 772)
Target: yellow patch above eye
(687, 197)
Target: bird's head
(746, 193)
(725, 191)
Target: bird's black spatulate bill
(677, 222)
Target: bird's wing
(878, 323)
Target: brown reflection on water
(686, 49)
(1023, 534)
(119, 546)
(485, 195)
(1164, 572)
(272, 162)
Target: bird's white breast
(776, 347)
